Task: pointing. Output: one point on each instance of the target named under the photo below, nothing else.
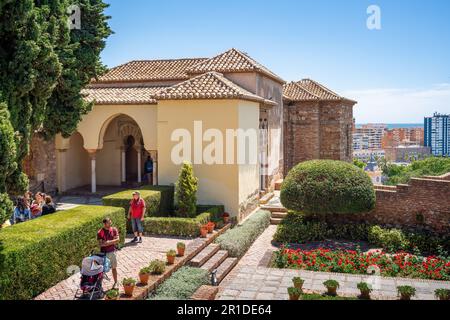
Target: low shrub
(6, 208)
(182, 284)
(182, 227)
(296, 228)
(239, 239)
(391, 239)
(166, 200)
(35, 255)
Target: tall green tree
(186, 192)
(43, 68)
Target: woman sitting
(22, 211)
(36, 207)
(49, 207)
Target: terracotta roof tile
(292, 91)
(150, 70)
(121, 95)
(319, 90)
(232, 60)
(211, 85)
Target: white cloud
(400, 105)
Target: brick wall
(317, 130)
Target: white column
(123, 162)
(154, 155)
(139, 169)
(93, 172)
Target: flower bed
(355, 262)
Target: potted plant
(203, 231)
(226, 217)
(112, 294)
(298, 282)
(171, 254)
(144, 274)
(210, 226)
(365, 289)
(181, 247)
(332, 286)
(294, 293)
(128, 286)
(406, 292)
(442, 294)
(157, 267)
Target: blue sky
(398, 74)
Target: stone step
(275, 221)
(204, 255)
(274, 209)
(266, 198)
(225, 268)
(279, 215)
(215, 260)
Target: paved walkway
(252, 280)
(130, 260)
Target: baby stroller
(93, 270)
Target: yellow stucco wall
(94, 125)
(218, 183)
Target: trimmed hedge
(158, 200)
(322, 187)
(182, 284)
(239, 239)
(34, 256)
(298, 228)
(182, 227)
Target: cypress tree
(186, 192)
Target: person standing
(136, 214)
(148, 170)
(108, 238)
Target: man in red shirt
(136, 214)
(108, 238)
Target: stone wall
(424, 204)
(40, 165)
(317, 130)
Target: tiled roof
(211, 85)
(292, 91)
(319, 90)
(121, 95)
(232, 60)
(150, 70)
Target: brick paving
(130, 260)
(253, 280)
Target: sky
(398, 74)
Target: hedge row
(34, 256)
(239, 239)
(296, 228)
(183, 227)
(158, 200)
(182, 284)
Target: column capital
(92, 153)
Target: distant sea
(399, 125)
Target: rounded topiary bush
(322, 187)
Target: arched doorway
(131, 172)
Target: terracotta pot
(129, 290)
(294, 297)
(405, 297)
(365, 295)
(211, 227)
(170, 259)
(203, 232)
(181, 251)
(332, 291)
(143, 278)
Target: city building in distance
(437, 134)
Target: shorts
(137, 226)
(112, 258)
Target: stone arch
(127, 129)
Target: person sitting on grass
(22, 211)
(136, 214)
(49, 207)
(108, 238)
(36, 207)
